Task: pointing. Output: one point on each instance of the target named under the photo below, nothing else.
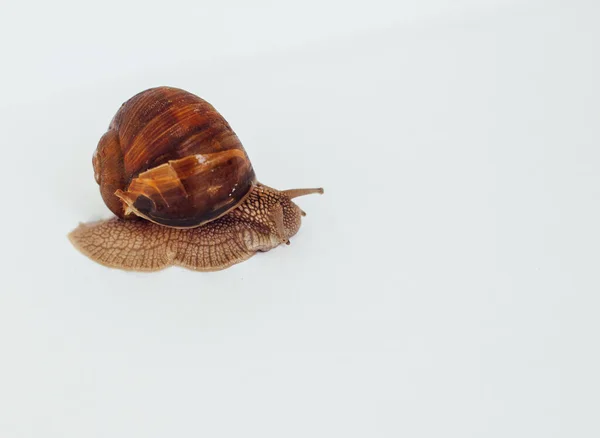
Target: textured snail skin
(266, 219)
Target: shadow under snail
(183, 189)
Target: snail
(183, 189)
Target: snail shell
(168, 156)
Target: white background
(446, 284)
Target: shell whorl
(170, 157)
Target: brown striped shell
(170, 157)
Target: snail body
(183, 189)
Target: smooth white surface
(446, 285)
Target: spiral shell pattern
(170, 157)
